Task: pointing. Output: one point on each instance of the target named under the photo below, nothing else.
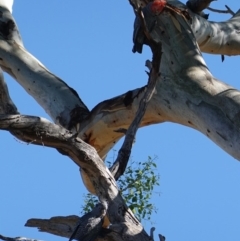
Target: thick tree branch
(99, 128)
(6, 104)
(64, 227)
(60, 226)
(207, 33)
(117, 112)
(39, 131)
(36, 79)
(47, 89)
(186, 93)
(222, 35)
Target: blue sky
(88, 45)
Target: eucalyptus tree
(180, 89)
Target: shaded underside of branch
(39, 131)
(60, 226)
(186, 93)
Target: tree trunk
(185, 93)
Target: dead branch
(17, 239)
(182, 96)
(198, 5)
(60, 226)
(222, 11)
(120, 164)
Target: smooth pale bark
(40, 131)
(100, 128)
(46, 88)
(186, 93)
(218, 38)
(215, 37)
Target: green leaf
(134, 199)
(136, 186)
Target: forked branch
(229, 10)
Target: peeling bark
(185, 93)
(40, 131)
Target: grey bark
(186, 93)
(46, 88)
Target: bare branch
(161, 237)
(152, 233)
(60, 226)
(229, 9)
(186, 93)
(37, 130)
(120, 164)
(222, 11)
(65, 226)
(198, 5)
(17, 239)
(6, 104)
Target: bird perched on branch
(139, 37)
(157, 6)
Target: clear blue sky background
(88, 44)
